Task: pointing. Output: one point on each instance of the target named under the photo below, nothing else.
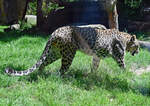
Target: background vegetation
(133, 9)
(47, 6)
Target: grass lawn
(2, 28)
(109, 86)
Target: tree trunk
(112, 13)
(40, 17)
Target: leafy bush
(130, 8)
(133, 3)
(46, 6)
(32, 8)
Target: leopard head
(133, 45)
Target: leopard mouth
(134, 52)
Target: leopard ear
(133, 38)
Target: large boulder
(12, 10)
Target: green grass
(109, 86)
(2, 28)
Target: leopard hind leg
(95, 63)
(68, 54)
(52, 56)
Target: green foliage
(24, 25)
(46, 6)
(110, 85)
(2, 28)
(32, 8)
(130, 8)
(133, 3)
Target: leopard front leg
(120, 61)
(118, 55)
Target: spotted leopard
(66, 41)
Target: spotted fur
(65, 41)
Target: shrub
(46, 6)
(133, 3)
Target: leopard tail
(13, 72)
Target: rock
(99, 26)
(15, 26)
(146, 10)
(12, 27)
(31, 19)
(145, 44)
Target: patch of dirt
(139, 71)
(142, 70)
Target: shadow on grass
(13, 35)
(104, 80)
(86, 81)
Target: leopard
(99, 43)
